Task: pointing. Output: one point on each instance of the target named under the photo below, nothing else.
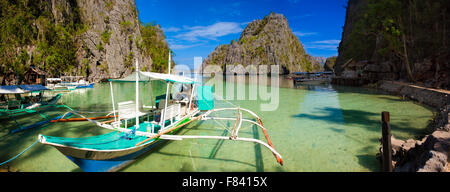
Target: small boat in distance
(311, 78)
(68, 83)
(54, 84)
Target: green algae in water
(314, 128)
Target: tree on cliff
(28, 36)
(406, 32)
(153, 45)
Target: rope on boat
(20, 153)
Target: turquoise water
(314, 128)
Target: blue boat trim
(110, 165)
(85, 86)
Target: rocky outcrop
(329, 64)
(108, 48)
(353, 14)
(317, 63)
(431, 154)
(269, 41)
(401, 40)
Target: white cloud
(324, 47)
(327, 42)
(171, 29)
(176, 44)
(211, 32)
(324, 44)
(302, 34)
(245, 23)
(180, 46)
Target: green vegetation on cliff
(76, 38)
(403, 32)
(29, 36)
(329, 63)
(153, 45)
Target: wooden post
(386, 140)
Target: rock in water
(269, 41)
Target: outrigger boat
(29, 104)
(114, 150)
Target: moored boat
(114, 150)
(24, 105)
(68, 83)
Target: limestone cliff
(95, 39)
(397, 40)
(108, 48)
(317, 63)
(329, 63)
(269, 41)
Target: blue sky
(197, 27)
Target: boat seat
(162, 102)
(173, 113)
(127, 111)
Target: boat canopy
(19, 89)
(11, 89)
(148, 76)
(29, 88)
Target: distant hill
(269, 41)
(330, 63)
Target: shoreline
(431, 153)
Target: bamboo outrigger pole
(83, 119)
(279, 159)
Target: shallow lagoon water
(314, 128)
